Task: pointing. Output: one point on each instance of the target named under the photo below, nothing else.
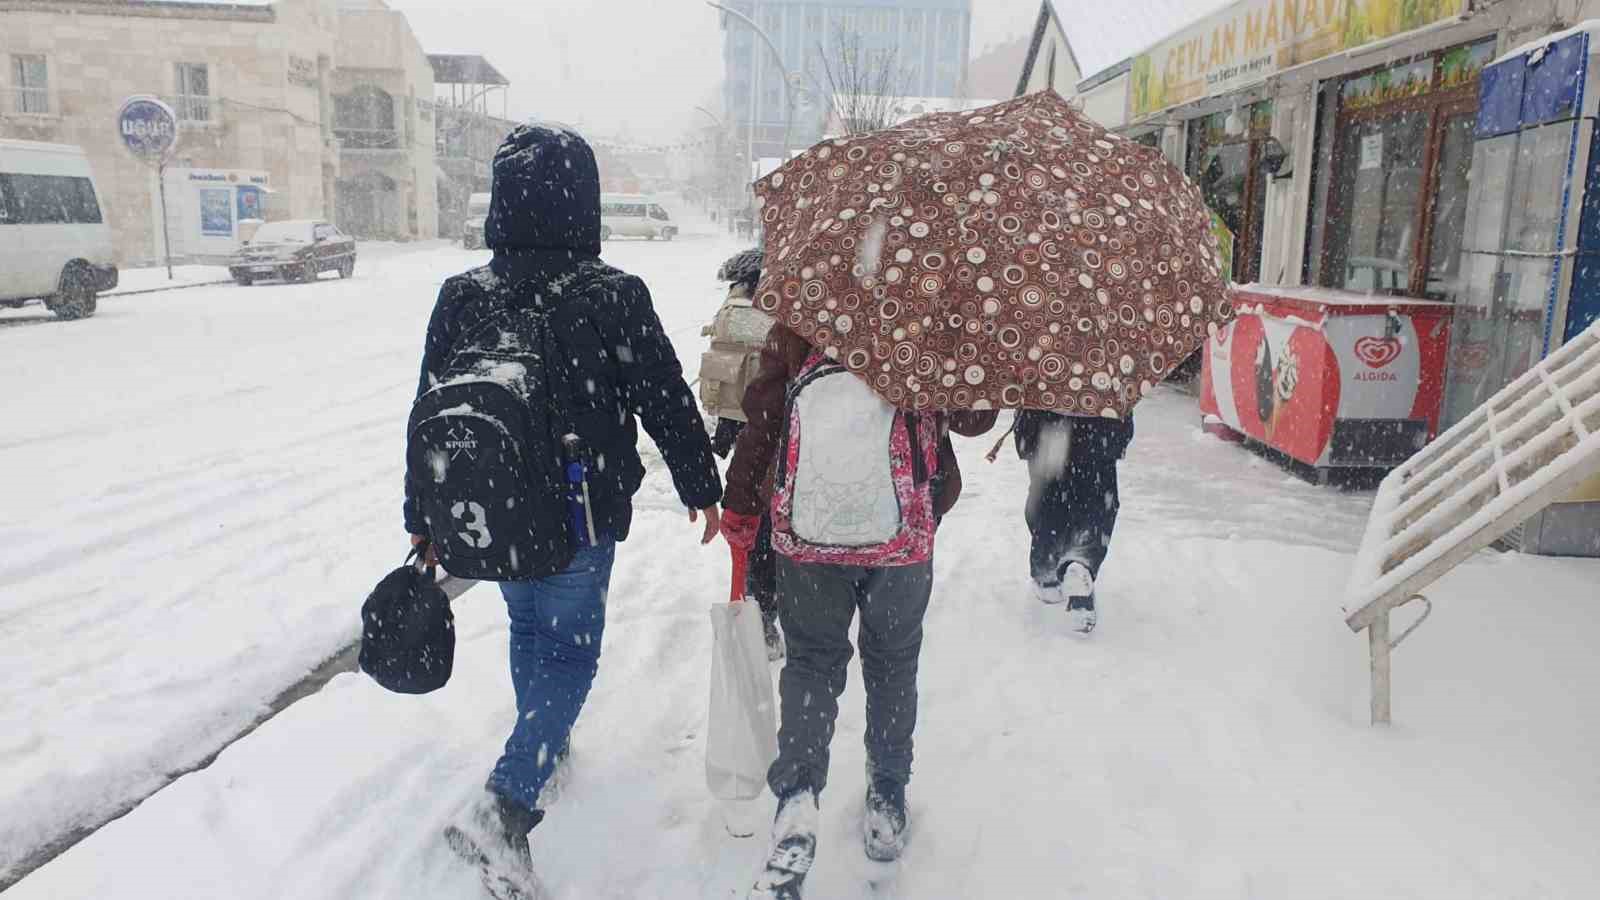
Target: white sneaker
(1077, 586)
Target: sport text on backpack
(485, 454)
(854, 480)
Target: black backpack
(484, 453)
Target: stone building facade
(255, 86)
(383, 121)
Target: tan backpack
(737, 335)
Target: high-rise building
(924, 43)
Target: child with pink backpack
(855, 489)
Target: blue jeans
(556, 626)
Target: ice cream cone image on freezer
(1285, 378)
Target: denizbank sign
(1251, 40)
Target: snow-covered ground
(204, 485)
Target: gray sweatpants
(815, 604)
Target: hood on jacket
(546, 193)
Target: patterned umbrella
(1018, 256)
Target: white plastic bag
(742, 731)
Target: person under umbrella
(1072, 506)
(818, 599)
(1013, 257)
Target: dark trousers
(1072, 501)
(816, 604)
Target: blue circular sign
(149, 128)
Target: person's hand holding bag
(740, 529)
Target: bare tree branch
(866, 85)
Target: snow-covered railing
(1530, 445)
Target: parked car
(477, 214)
(297, 250)
(630, 215)
(54, 242)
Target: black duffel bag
(408, 635)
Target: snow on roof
(1104, 34)
(464, 68)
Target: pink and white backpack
(853, 485)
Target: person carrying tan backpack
(737, 334)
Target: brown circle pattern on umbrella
(1018, 256)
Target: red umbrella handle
(741, 568)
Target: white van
(54, 242)
(634, 215)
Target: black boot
(794, 848)
(494, 837)
(883, 829)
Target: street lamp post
(788, 82)
(721, 183)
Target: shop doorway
(1395, 190)
(368, 206)
(1232, 171)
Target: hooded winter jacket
(1093, 437)
(544, 228)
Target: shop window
(1231, 171)
(193, 82)
(1395, 193)
(30, 82)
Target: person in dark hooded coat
(544, 228)
(1073, 502)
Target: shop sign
(302, 71)
(148, 128)
(225, 176)
(1253, 39)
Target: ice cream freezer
(1329, 378)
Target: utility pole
(788, 82)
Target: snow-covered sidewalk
(205, 532)
(203, 486)
(150, 279)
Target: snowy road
(203, 485)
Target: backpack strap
(919, 462)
